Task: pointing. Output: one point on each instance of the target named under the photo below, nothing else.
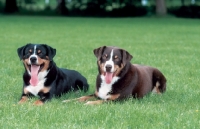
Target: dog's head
(36, 57)
(111, 61)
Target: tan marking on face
(45, 90)
(113, 97)
(116, 57)
(25, 64)
(38, 103)
(23, 100)
(101, 67)
(30, 50)
(45, 62)
(118, 69)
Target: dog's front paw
(38, 103)
(23, 100)
(94, 102)
(67, 100)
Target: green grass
(170, 44)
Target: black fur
(58, 80)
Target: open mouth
(35, 67)
(34, 70)
(109, 76)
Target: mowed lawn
(170, 44)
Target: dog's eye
(40, 53)
(29, 53)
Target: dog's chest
(35, 89)
(105, 88)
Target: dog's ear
(21, 50)
(51, 52)
(126, 57)
(98, 52)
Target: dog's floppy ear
(51, 52)
(126, 57)
(21, 50)
(98, 52)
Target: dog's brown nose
(108, 68)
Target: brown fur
(134, 80)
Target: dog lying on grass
(43, 78)
(119, 79)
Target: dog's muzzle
(108, 68)
(33, 60)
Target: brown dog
(119, 79)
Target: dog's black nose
(108, 68)
(33, 59)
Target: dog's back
(77, 81)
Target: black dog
(119, 79)
(43, 78)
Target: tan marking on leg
(97, 102)
(84, 98)
(45, 89)
(38, 103)
(26, 91)
(96, 93)
(81, 99)
(23, 99)
(156, 89)
(114, 97)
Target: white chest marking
(35, 89)
(106, 88)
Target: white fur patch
(106, 88)
(33, 55)
(35, 89)
(110, 62)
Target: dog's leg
(43, 98)
(81, 99)
(159, 82)
(95, 102)
(111, 98)
(38, 103)
(156, 88)
(24, 97)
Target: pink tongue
(34, 73)
(108, 77)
